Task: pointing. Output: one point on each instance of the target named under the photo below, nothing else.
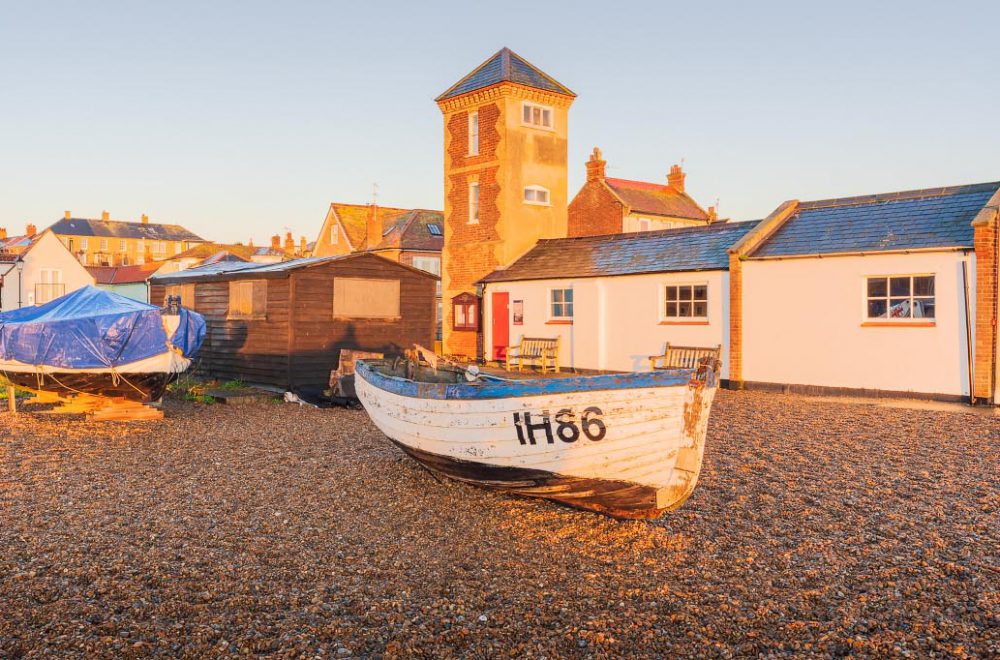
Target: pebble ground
(817, 529)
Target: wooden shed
(284, 324)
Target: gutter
(859, 253)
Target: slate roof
(14, 245)
(505, 66)
(123, 274)
(404, 229)
(655, 199)
(663, 251)
(909, 220)
(118, 229)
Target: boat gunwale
(498, 388)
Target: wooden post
(11, 400)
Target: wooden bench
(543, 351)
(683, 357)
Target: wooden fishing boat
(94, 343)
(628, 445)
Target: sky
(244, 119)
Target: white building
(47, 270)
(875, 293)
(616, 299)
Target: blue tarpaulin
(92, 328)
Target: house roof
(656, 199)
(225, 270)
(119, 229)
(12, 246)
(663, 251)
(209, 250)
(505, 66)
(123, 274)
(909, 220)
(405, 229)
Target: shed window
(899, 297)
(365, 298)
(686, 301)
(185, 291)
(562, 303)
(248, 299)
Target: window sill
(693, 322)
(559, 322)
(454, 329)
(898, 324)
(538, 127)
(537, 203)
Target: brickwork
(985, 242)
(595, 211)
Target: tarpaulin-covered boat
(629, 445)
(94, 342)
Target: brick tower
(505, 168)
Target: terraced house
(108, 242)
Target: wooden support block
(11, 400)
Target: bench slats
(543, 351)
(684, 357)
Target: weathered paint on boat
(629, 445)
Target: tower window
(536, 115)
(473, 203)
(536, 195)
(473, 133)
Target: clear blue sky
(238, 119)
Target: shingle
(910, 220)
(664, 251)
(505, 66)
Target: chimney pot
(68, 215)
(30, 230)
(3, 232)
(713, 214)
(303, 246)
(595, 166)
(276, 242)
(145, 219)
(676, 178)
(105, 216)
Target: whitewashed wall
(48, 252)
(617, 320)
(802, 324)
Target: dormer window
(473, 133)
(536, 115)
(536, 195)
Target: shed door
(501, 327)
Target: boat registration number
(566, 425)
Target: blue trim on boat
(497, 388)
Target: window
(687, 301)
(104, 245)
(122, 246)
(434, 229)
(248, 299)
(160, 247)
(473, 133)
(562, 304)
(49, 285)
(431, 265)
(643, 224)
(900, 297)
(465, 312)
(177, 247)
(334, 234)
(365, 298)
(473, 203)
(536, 115)
(84, 244)
(536, 195)
(186, 293)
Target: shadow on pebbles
(817, 528)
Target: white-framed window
(474, 203)
(536, 195)
(561, 304)
(104, 245)
(84, 244)
(49, 285)
(334, 234)
(685, 301)
(536, 115)
(177, 247)
(431, 265)
(899, 297)
(474, 133)
(122, 246)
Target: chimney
(276, 242)
(303, 246)
(3, 233)
(250, 242)
(713, 214)
(105, 216)
(374, 234)
(676, 178)
(595, 166)
(68, 215)
(289, 242)
(30, 230)
(145, 219)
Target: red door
(501, 327)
